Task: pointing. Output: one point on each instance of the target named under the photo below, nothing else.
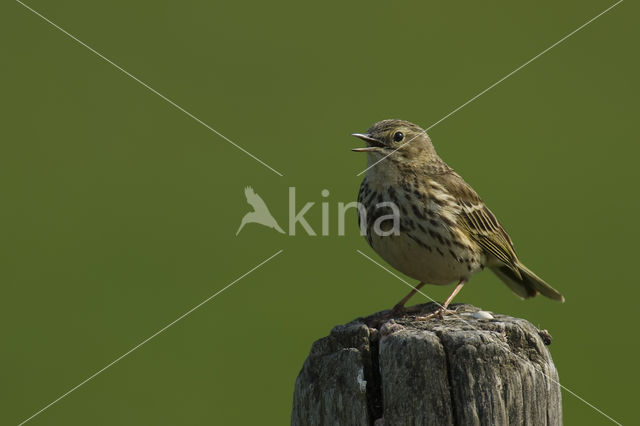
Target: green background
(119, 212)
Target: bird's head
(407, 141)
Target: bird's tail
(241, 226)
(528, 284)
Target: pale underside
(432, 246)
(436, 266)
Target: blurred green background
(119, 212)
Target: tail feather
(516, 284)
(528, 284)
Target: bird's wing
(254, 199)
(248, 192)
(479, 222)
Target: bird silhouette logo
(260, 213)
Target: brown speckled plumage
(446, 232)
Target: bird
(260, 213)
(445, 232)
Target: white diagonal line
(149, 338)
(498, 82)
(476, 328)
(151, 89)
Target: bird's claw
(440, 313)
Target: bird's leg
(453, 293)
(399, 307)
(443, 309)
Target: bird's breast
(429, 245)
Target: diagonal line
(476, 328)
(399, 278)
(498, 82)
(148, 338)
(152, 89)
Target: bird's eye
(398, 136)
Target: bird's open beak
(373, 143)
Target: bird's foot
(397, 311)
(440, 313)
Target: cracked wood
(462, 370)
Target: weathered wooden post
(474, 368)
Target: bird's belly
(426, 259)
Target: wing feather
(479, 222)
(254, 199)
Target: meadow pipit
(446, 232)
